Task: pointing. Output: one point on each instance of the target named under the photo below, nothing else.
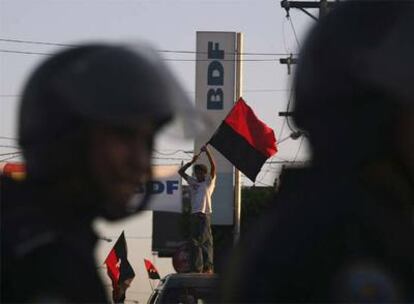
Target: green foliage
(255, 202)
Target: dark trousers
(201, 253)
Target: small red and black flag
(119, 269)
(16, 171)
(152, 271)
(244, 140)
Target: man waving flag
(244, 140)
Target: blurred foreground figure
(87, 121)
(347, 235)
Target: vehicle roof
(188, 280)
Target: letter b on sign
(215, 99)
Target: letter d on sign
(156, 187)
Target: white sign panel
(215, 96)
(166, 194)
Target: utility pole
(237, 179)
(288, 61)
(323, 5)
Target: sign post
(218, 86)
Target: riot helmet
(114, 85)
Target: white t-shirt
(201, 194)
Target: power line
(263, 176)
(230, 60)
(166, 59)
(285, 162)
(287, 110)
(37, 42)
(8, 146)
(281, 161)
(171, 158)
(264, 90)
(281, 129)
(300, 146)
(284, 139)
(253, 90)
(24, 52)
(281, 158)
(243, 53)
(272, 169)
(10, 157)
(10, 153)
(174, 152)
(294, 31)
(284, 36)
(160, 51)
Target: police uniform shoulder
(25, 228)
(34, 242)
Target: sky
(170, 26)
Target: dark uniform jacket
(46, 252)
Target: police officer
(346, 234)
(87, 121)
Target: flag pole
(237, 183)
(152, 288)
(198, 154)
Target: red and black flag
(16, 171)
(152, 271)
(119, 269)
(244, 140)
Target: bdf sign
(215, 77)
(160, 187)
(217, 82)
(165, 189)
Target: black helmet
(105, 83)
(354, 72)
(87, 85)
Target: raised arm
(186, 166)
(211, 160)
